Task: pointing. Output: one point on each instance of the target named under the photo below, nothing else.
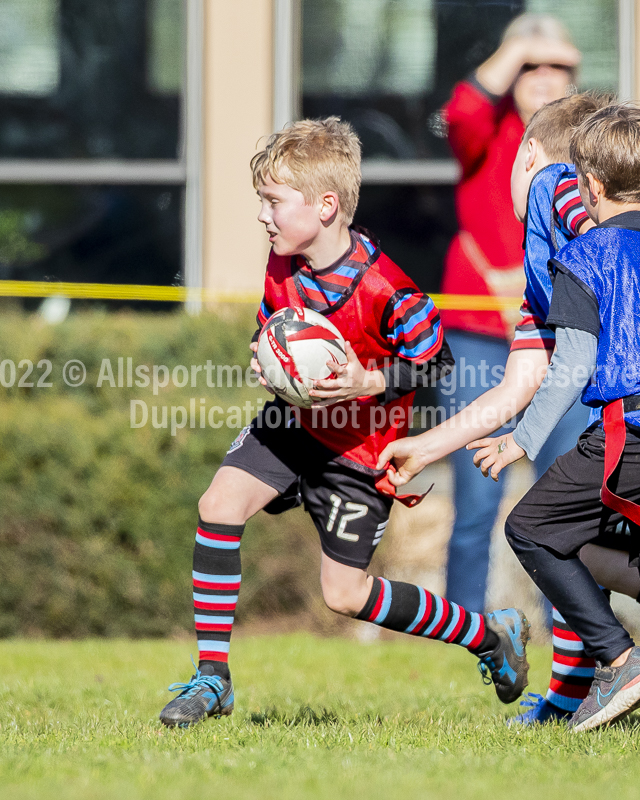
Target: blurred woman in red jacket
(486, 117)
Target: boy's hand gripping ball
(294, 347)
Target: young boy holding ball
(308, 179)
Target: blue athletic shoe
(204, 696)
(540, 711)
(506, 664)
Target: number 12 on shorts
(354, 511)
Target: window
(29, 47)
(90, 80)
(165, 33)
(99, 234)
(92, 168)
(389, 65)
(594, 28)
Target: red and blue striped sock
(216, 583)
(411, 609)
(572, 670)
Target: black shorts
(346, 508)
(563, 510)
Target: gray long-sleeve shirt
(571, 368)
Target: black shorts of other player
(349, 513)
(562, 512)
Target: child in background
(486, 118)
(590, 491)
(545, 196)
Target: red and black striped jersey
(568, 212)
(385, 317)
(410, 322)
(532, 332)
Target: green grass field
(315, 718)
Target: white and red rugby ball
(294, 347)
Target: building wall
(238, 110)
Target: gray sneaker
(204, 696)
(614, 693)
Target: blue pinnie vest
(605, 261)
(543, 239)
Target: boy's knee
(213, 508)
(342, 599)
(207, 507)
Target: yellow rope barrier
(475, 302)
(114, 291)
(180, 294)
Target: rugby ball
(294, 347)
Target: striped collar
(327, 289)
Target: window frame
(420, 171)
(185, 170)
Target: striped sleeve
(264, 312)
(411, 324)
(531, 332)
(569, 213)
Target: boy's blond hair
(314, 156)
(554, 124)
(607, 145)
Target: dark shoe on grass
(204, 696)
(506, 663)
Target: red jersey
(485, 257)
(384, 315)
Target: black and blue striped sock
(216, 583)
